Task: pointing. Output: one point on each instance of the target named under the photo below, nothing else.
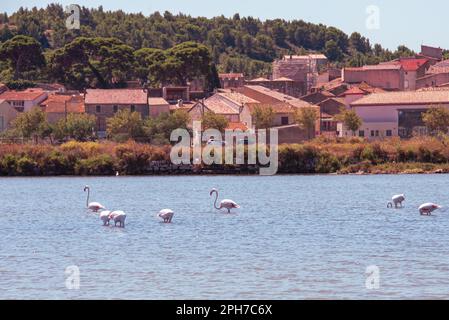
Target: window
(372, 133)
(98, 109)
(284, 121)
(115, 109)
(377, 133)
(389, 133)
(133, 108)
(361, 133)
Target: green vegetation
(235, 44)
(320, 156)
(211, 120)
(306, 119)
(350, 120)
(436, 120)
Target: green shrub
(99, 165)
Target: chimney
(180, 103)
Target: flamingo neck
(216, 198)
(88, 196)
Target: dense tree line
(236, 44)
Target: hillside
(237, 44)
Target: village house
(393, 114)
(231, 80)
(105, 103)
(172, 94)
(436, 76)
(389, 77)
(227, 103)
(305, 69)
(283, 85)
(158, 106)
(59, 106)
(414, 68)
(7, 115)
(25, 100)
(432, 53)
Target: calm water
(295, 237)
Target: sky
(390, 23)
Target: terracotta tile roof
(259, 80)
(58, 104)
(353, 91)
(230, 75)
(369, 89)
(277, 107)
(409, 64)
(283, 79)
(116, 96)
(27, 95)
(157, 101)
(237, 126)
(280, 96)
(404, 98)
(375, 67)
(237, 97)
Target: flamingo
(104, 216)
(94, 206)
(426, 209)
(396, 200)
(118, 217)
(166, 215)
(226, 203)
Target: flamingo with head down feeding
(226, 203)
(94, 206)
(396, 201)
(426, 209)
(118, 217)
(104, 216)
(166, 215)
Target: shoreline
(317, 157)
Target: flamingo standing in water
(226, 203)
(426, 209)
(105, 217)
(396, 200)
(118, 217)
(94, 206)
(166, 215)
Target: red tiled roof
(375, 67)
(59, 103)
(27, 95)
(237, 126)
(353, 91)
(116, 96)
(409, 64)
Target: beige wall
(7, 114)
(156, 110)
(107, 111)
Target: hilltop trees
(23, 54)
(97, 62)
(236, 44)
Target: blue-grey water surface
(295, 237)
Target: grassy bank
(321, 156)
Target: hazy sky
(407, 22)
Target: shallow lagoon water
(295, 237)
